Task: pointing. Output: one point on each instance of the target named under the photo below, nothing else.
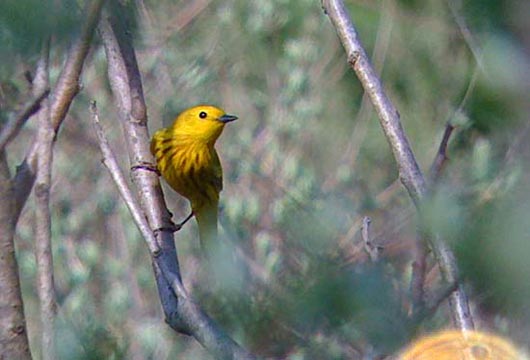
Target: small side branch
(372, 249)
(441, 155)
(109, 160)
(11, 129)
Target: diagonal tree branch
(441, 156)
(109, 159)
(62, 96)
(181, 312)
(11, 129)
(43, 245)
(409, 171)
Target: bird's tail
(207, 221)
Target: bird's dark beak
(227, 118)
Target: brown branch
(43, 244)
(62, 96)
(182, 313)
(11, 129)
(441, 155)
(13, 335)
(409, 171)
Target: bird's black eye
(203, 115)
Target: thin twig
(62, 96)
(43, 241)
(109, 160)
(11, 129)
(441, 155)
(372, 249)
(409, 171)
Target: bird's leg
(174, 227)
(179, 225)
(146, 166)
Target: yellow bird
(187, 159)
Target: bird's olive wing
(217, 178)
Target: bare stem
(11, 129)
(409, 171)
(109, 160)
(372, 249)
(441, 155)
(43, 244)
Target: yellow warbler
(188, 161)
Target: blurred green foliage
(25, 25)
(302, 166)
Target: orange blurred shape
(457, 345)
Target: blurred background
(302, 165)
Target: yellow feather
(187, 159)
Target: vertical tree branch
(181, 312)
(43, 246)
(64, 92)
(13, 335)
(409, 171)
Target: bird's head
(202, 123)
